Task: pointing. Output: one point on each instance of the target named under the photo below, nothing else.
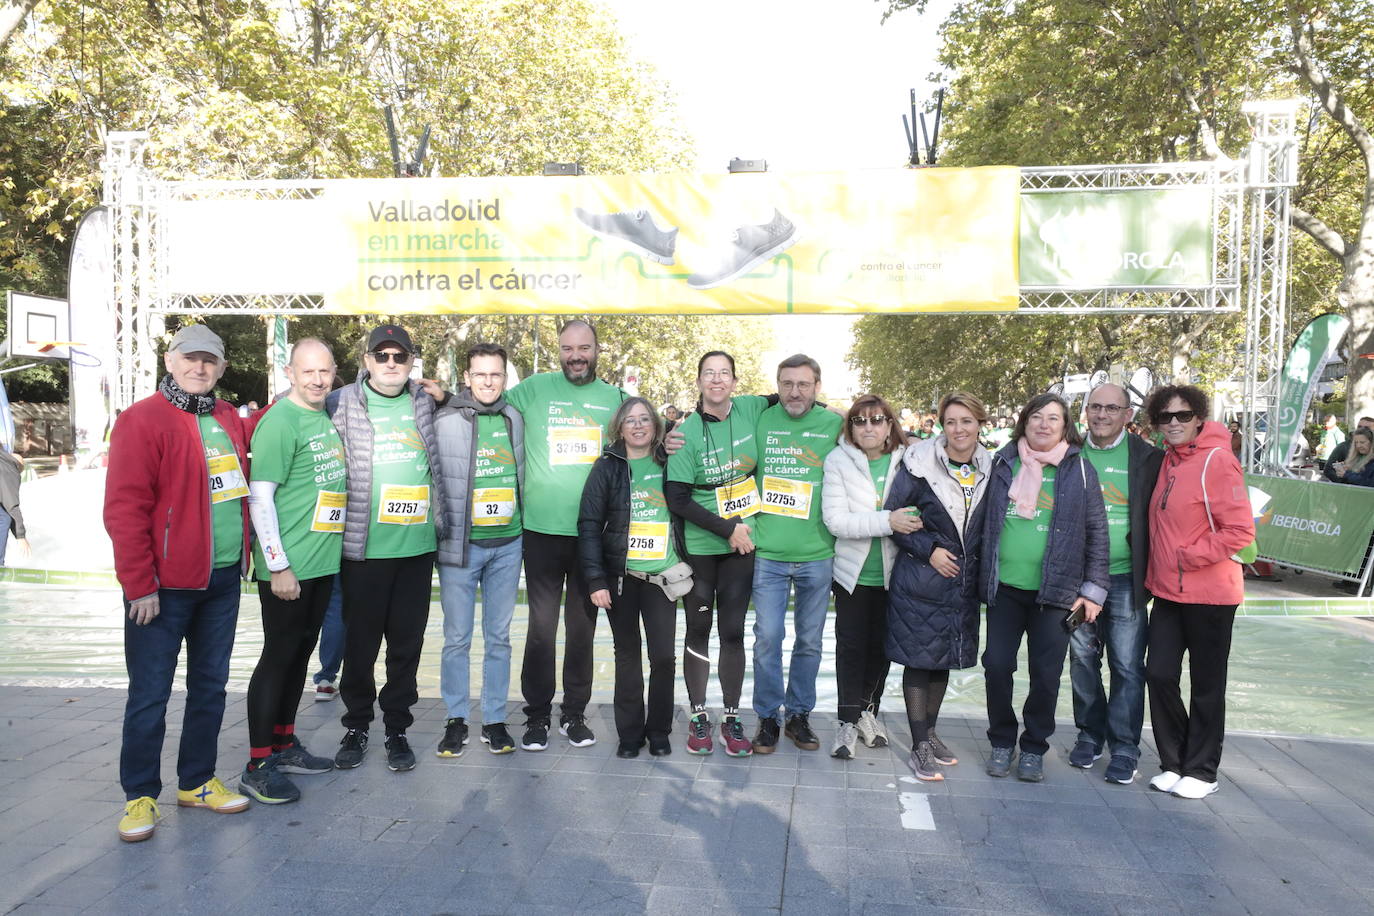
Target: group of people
(773, 500)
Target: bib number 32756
(791, 498)
(574, 445)
(403, 505)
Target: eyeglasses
(725, 374)
(638, 421)
(865, 421)
(399, 357)
(1165, 417)
(1112, 409)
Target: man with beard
(795, 552)
(566, 425)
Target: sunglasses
(1164, 417)
(865, 421)
(399, 357)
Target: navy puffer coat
(932, 621)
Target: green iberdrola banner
(1312, 523)
(1091, 239)
(1301, 372)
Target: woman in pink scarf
(1045, 556)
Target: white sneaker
(871, 731)
(845, 738)
(325, 691)
(1165, 781)
(1189, 787)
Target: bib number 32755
(403, 505)
(791, 498)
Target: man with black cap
(392, 523)
(176, 514)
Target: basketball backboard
(35, 323)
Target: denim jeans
(497, 570)
(206, 621)
(774, 581)
(5, 521)
(332, 635)
(1111, 719)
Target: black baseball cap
(391, 333)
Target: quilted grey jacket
(455, 425)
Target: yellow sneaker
(139, 820)
(214, 795)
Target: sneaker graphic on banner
(750, 246)
(635, 228)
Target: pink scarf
(1025, 489)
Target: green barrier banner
(1309, 523)
(1301, 372)
(1092, 239)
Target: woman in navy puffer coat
(932, 614)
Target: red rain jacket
(1191, 563)
(157, 496)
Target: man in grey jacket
(393, 522)
(481, 442)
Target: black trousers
(383, 599)
(1015, 613)
(550, 561)
(640, 602)
(861, 663)
(723, 583)
(1189, 740)
(289, 632)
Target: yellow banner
(907, 240)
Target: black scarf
(198, 404)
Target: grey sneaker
(267, 784)
(750, 247)
(999, 764)
(1121, 769)
(1084, 754)
(1031, 767)
(846, 736)
(871, 731)
(943, 755)
(635, 228)
(294, 758)
(923, 764)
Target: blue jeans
(332, 635)
(5, 522)
(773, 582)
(1111, 719)
(206, 621)
(497, 570)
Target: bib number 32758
(403, 505)
(648, 541)
(791, 498)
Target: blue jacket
(1077, 554)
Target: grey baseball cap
(197, 338)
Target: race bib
(493, 506)
(329, 512)
(403, 505)
(574, 445)
(226, 479)
(791, 498)
(737, 500)
(648, 541)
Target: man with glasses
(392, 524)
(1127, 467)
(795, 551)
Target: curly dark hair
(1192, 395)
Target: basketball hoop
(85, 358)
(47, 345)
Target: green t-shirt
(722, 456)
(228, 486)
(651, 547)
(299, 450)
(789, 526)
(566, 427)
(495, 486)
(872, 571)
(1111, 465)
(1020, 561)
(401, 513)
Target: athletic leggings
(289, 632)
(725, 582)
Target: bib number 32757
(791, 498)
(403, 505)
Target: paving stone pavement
(568, 830)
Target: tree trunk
(1357, 295)
(12, 15)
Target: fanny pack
(675, 581)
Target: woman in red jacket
(1199, 516)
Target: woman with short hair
(1200, 516)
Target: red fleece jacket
(157, 496)
(1189, 561)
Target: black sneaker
(267, 784)
(766, 741)
(497, 739)
(536, 735)
(575, 729)
(660, 746)
(999, 762)
(455, 736)
(352, 749)
(294, 758)
(1031, 767)
(1121, 769)
(399, 756)
(1084, 754)
(799, 730)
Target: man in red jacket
(176, 513)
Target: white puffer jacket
(852, 509)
